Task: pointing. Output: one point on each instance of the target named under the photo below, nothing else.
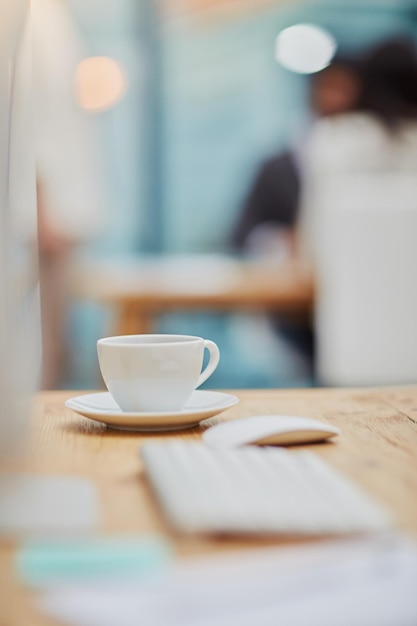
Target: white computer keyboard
(256, 490)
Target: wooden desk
(377, 450)
(140, 289)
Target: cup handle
(213, 361)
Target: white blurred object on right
(359, 219)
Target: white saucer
(102, 408)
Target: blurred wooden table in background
(139, 289)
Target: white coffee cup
(154, 372)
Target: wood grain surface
(377, 449)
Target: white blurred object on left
(29, 505)
(20, 333)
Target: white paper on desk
(46, 506)
(368, 582)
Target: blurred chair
(366, 312)
(360, 216)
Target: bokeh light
(305, 48)
(100, 83)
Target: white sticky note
(46, 505)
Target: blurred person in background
(69, 202)
(270, 211)
(378, 135)
(357, 222)
(266, 225)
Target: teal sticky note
(50, 562)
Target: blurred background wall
(203, 101)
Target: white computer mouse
(268, 430)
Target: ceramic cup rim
(157, 339)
